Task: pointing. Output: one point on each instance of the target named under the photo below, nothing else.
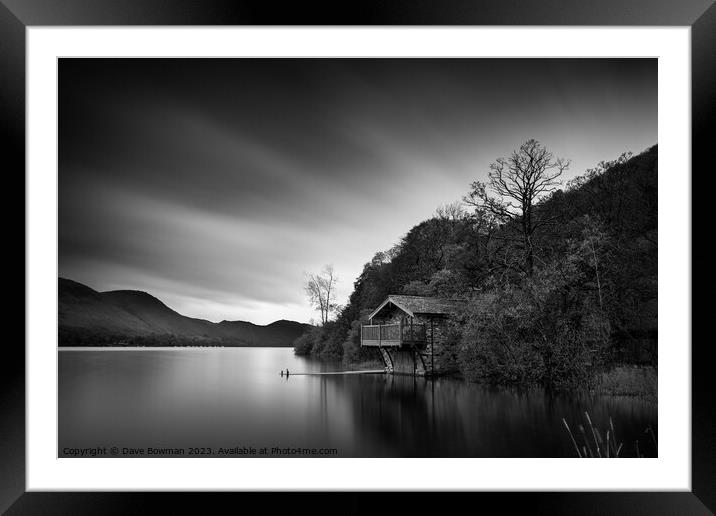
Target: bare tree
(320, 289)
(517, 183)
(451, 211)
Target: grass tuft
(594, 446)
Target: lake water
(208, 399)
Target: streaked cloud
(214, 184)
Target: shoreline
(629, 381)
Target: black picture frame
(17, 15)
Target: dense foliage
(587, 297)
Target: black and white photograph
(357, 257)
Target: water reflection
(235, 397)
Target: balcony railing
(392, 334)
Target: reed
(589, 443)
(574, 442)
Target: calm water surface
(233, 398)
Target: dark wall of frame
(16, 15)
(12, 163)
(365, 12)
(703, 133)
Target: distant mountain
(136, 318)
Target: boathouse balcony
(393, 335)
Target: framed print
(430, 251)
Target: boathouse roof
(413, 305)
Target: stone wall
(442, 355)
(437, 354)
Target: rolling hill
(87, 317)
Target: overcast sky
(215, 184)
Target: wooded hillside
(584, 296)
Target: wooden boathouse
(409, 332)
